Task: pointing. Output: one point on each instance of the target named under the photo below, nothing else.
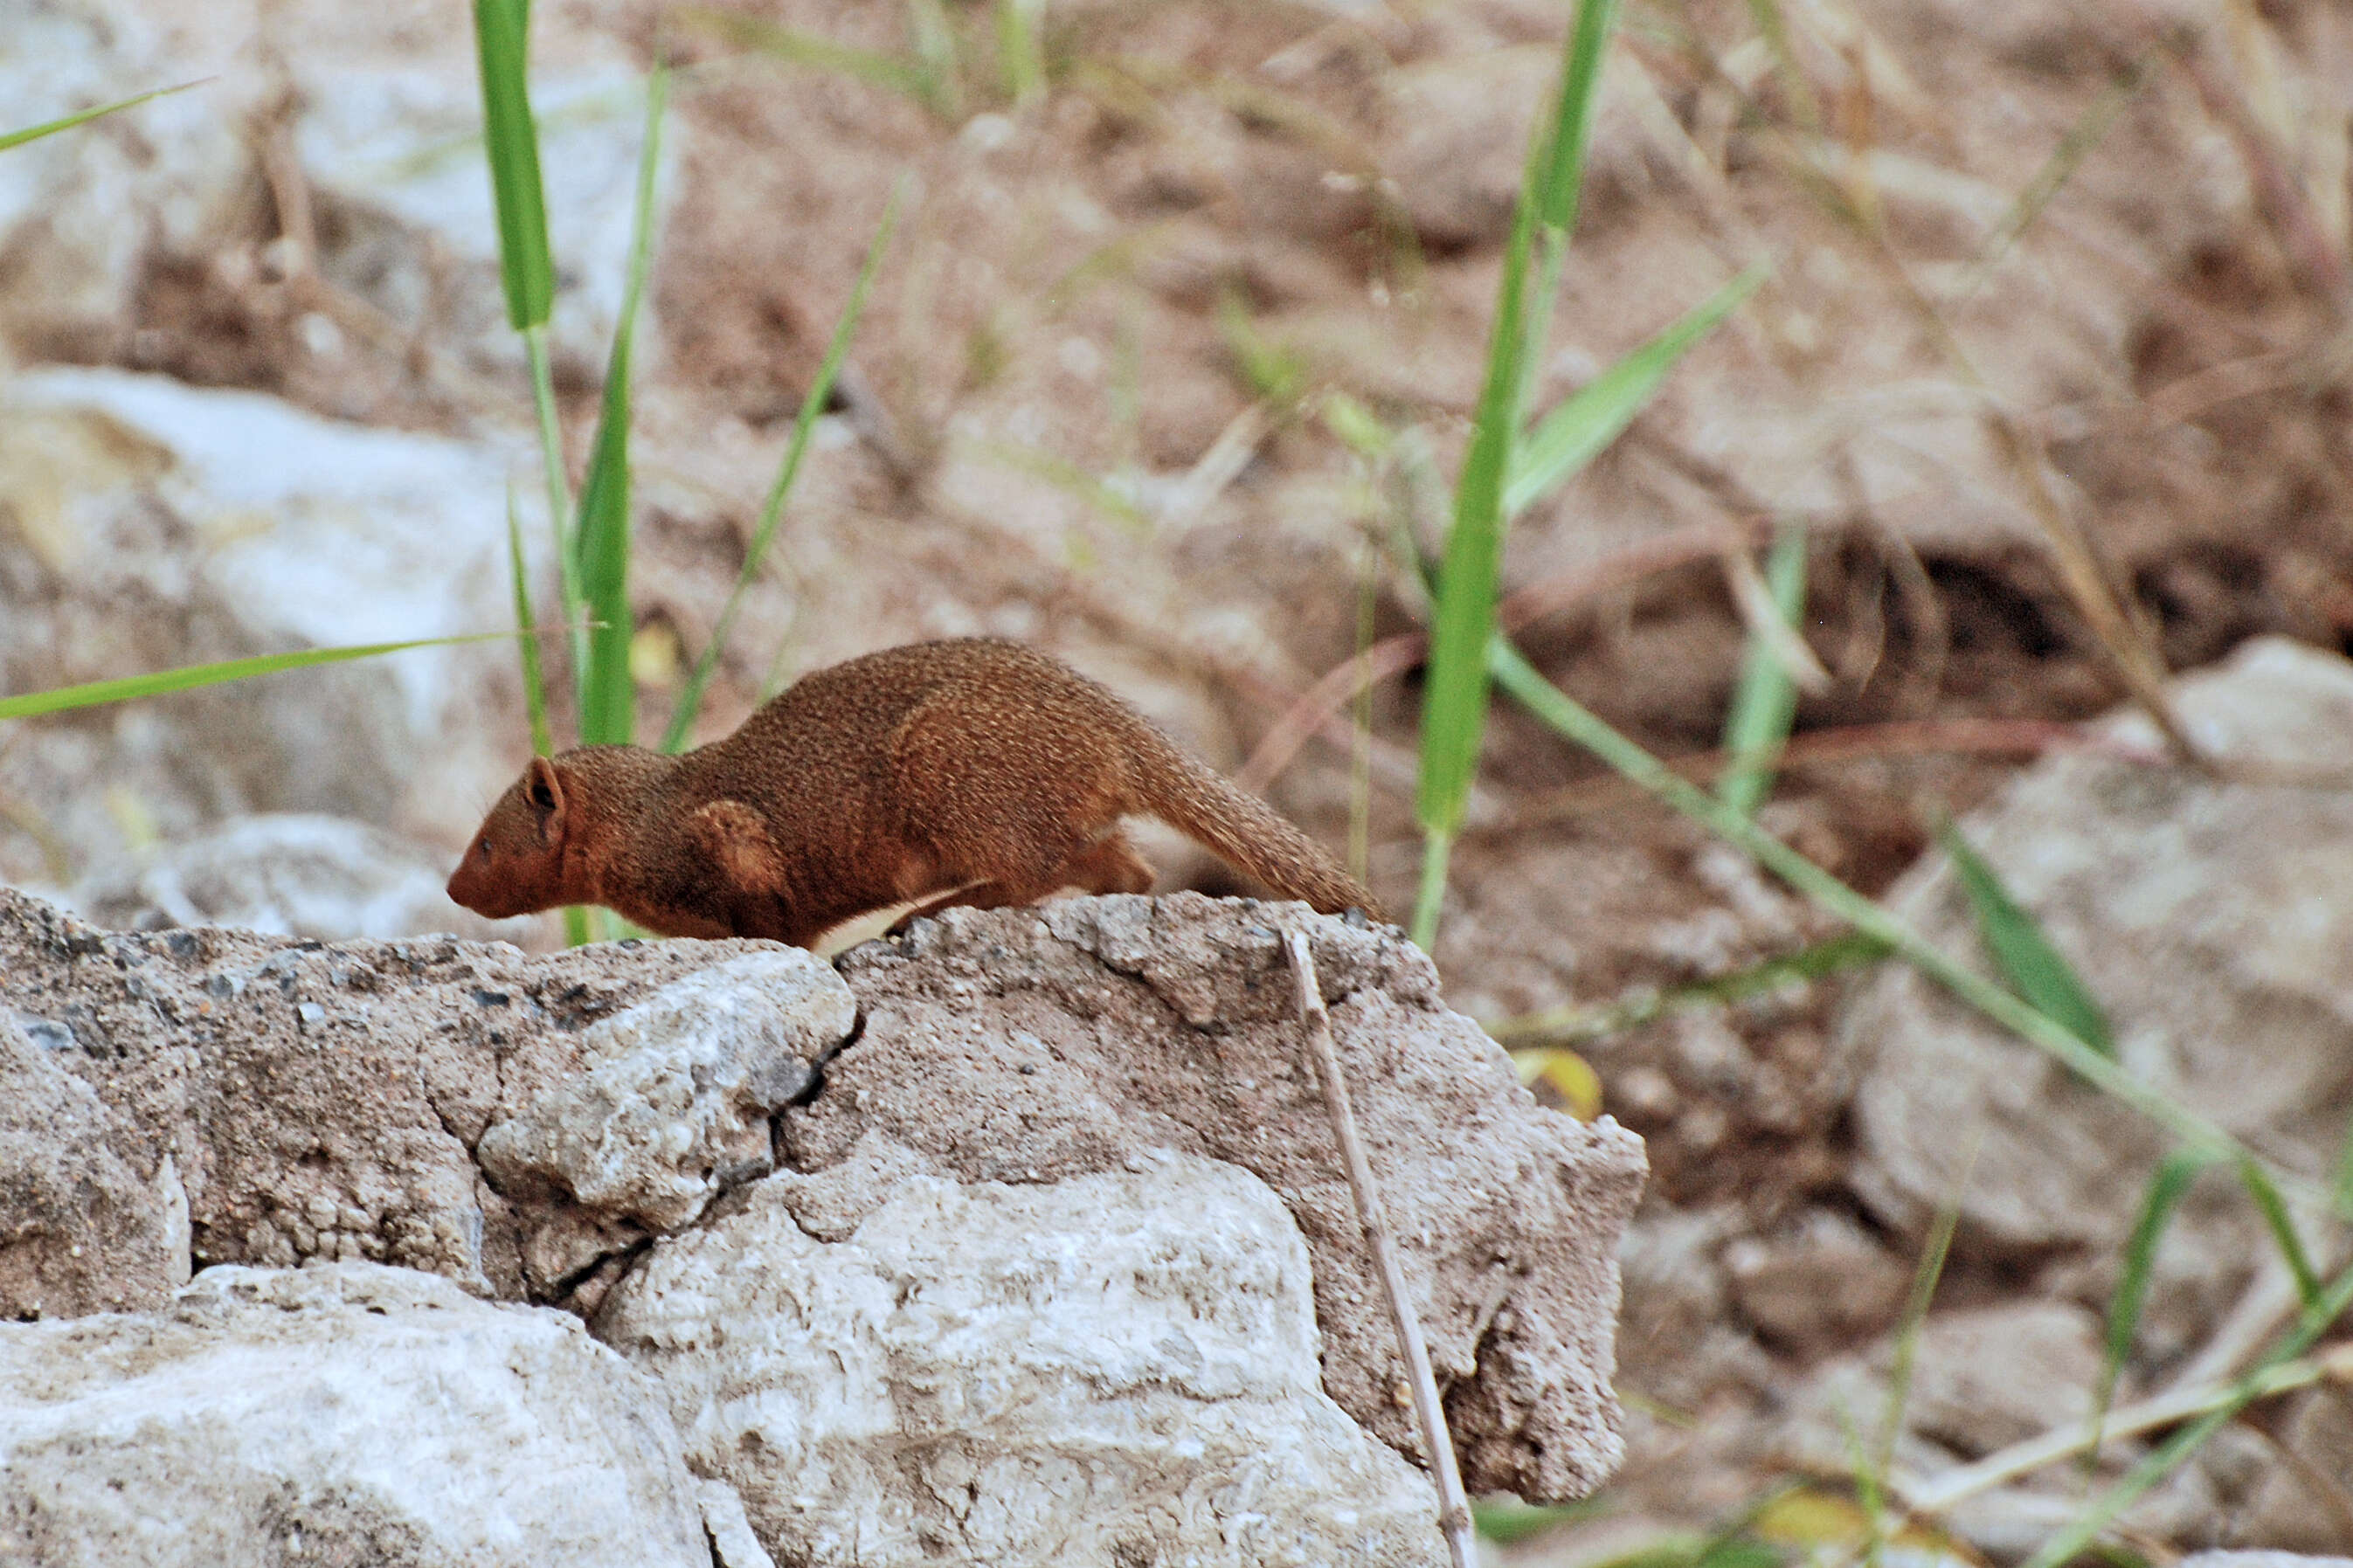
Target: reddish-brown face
(515, 864)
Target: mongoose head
(515, 864)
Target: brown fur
(968, 771)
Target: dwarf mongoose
(965, 772)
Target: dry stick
(1454, 1508)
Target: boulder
(2213, 917)
(146, 534)
(344, 1413)
(1111, 1368)
(288, 874)
(1037, 1044)
(1021, 1236)
(326, 1102)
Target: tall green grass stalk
(526, 269)
(1454, 704)
(820, 391)
(1560, 185)
(608, 695)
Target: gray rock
(348, 1413)
(83, 1226)
(1983, 1378)
(2213, 919)
(1062, 1229)
(1111, 1368)
(1817, 1282)
(325, 1101)
(675, 1098)
(1037, 1045)
(287, 873)
(149, 535)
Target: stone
(83, 1228)
(2213, 919)
(289, 873)
(1983, 1378)
(345, 1413)
(1816, 1282)
(145, 536)
(674, 1100)
(1113, 1368)
(1037, 1045)
(325, 1101)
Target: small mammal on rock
(964, 771)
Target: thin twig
(1454, 1508)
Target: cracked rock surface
(325, 1101)
(346, 1414)
(1022, 1237)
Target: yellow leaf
(1568, 1075)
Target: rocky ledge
(1021, 1238)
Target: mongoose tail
(1238, 828)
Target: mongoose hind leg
(1109, 865)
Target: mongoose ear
(543, 788)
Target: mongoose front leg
(750, 874)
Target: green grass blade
(2016, 942)
(534, 688)
(1454, 700)
(1573, 433)
(1556, 709)
(2274, 1208)
(2161, 1462)
(84, 116)
(502, 39)
(820, 390)
(1558, 181)
(608, 697)
(1764, 703)
(2166, 1190)
(123, 688)
(535, 683)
